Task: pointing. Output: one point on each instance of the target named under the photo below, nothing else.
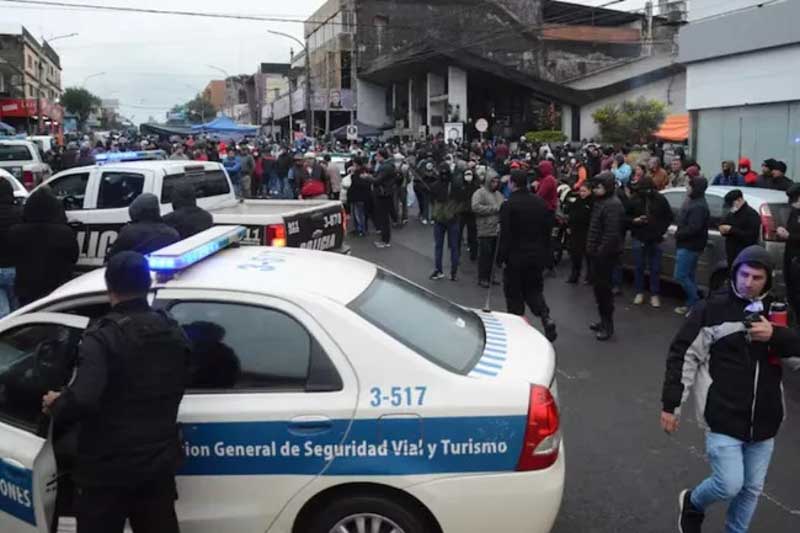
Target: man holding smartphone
(728, 341)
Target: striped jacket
(737, 383)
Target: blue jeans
(685, 270)
(8, 300)
(453, 232)
(738, 471)
(647, 256)
(359, 215)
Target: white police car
(364, 405)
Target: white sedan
(362, 405)
(20, 192)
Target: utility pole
(41, 55)
(309, 111)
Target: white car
(24, 161)
(366, 405)
(20, 192)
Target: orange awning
(675, 128)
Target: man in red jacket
(547, 187)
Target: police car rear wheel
(369, 514)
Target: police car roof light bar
(183, 254)
(121, 157)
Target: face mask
(468, 177)
(452, 167)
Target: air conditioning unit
(675, 12)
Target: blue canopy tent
(225, 126)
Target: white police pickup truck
(366, 405)
(22, 159)
(97, 198)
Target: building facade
(742, 94)
(214, 93)
(30, 80)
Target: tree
(200, 110)
(630, 121)
(80, 102)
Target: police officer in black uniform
(131, 373)
(525, 228)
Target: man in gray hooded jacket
(146, 231)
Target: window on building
(347, 69)
(242, 96)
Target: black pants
(486, 246)
(576, 256)
(150, 508)
(383, 214)
(602, 274)
(468, 221)
(525, 284)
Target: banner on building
(453, 131)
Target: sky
(151, 62)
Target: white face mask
(796, 205)
(452, 167)
(468, 177)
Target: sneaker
(424, 222)
(690, 520)
(436, 275)
(549, 329)
(485, 284)
(682, 310)
(616, 291)
(655, 301)
(381, 244)
(639, 299)
(454, 276)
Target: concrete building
(215, 93)
(743, 94)
(423, 65)
(271, 81)
(29, 71)
(239, 94)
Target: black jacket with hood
(607, 226)
(647, 201)
(692, 233)
(146, 232)
(43, 248)
(737, 383)
(186, 217)
(10, 214)
(745, 229)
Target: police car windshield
(444, 333)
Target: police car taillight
(27, 179)
(542, 434)
(276, 235)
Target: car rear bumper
(511, 502)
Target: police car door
(36, 354)
(111, 191)
(269, 390)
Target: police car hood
(514, 350)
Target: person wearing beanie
(728, 341)
(790, 234)
(146, 231)
(741, 227)
(131, 373)
(186, 217)
(604, 246)
(778, 180)
(690, 239)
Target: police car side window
(244, 347)
(119, 189)
(205, 183)
(71, 190)
(22, 380)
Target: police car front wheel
(368, 514)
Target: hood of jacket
(699, 186)
(183, 196)
(6, 192)
(545, 168)
(145, 209)
(754, 254)
(43, 207)
(608, 181)
(745, 162)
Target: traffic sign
(482, 125)
(352, 132)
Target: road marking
(564, 374)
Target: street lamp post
(41, 70)
(309, 110)
(90, 76)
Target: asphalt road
(623, 472)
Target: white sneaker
(655, 301)
(682, 310)
(639, 299)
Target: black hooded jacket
(737, 382)
(146, 232)
(607, 226)
(10, 214)
(648, 202)
(692, 233)
(186, 217)
(745, 229)
(43, 248)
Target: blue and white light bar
(183, 254)
(124, 157)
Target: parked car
(24, 161)
(712, 269)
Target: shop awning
(675, 128)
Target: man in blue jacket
(728, 176)
(233, 165)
